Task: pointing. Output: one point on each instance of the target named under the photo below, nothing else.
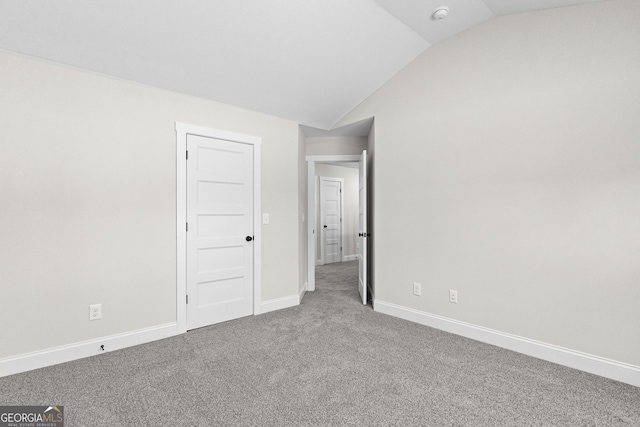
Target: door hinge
(187, 299)
(187, 224)
(187, 154)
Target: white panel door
(363, 233)
(331, 219)
(220, 230)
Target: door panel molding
(182, 130)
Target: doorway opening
(318, 225)
(352, 145)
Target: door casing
(182, 130)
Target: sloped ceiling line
(309, 62)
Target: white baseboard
(279, 303)
(349, 258)
(66, 353)
(607, 368)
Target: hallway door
(363, 234)
(331, 219)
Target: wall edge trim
(280, 303)
(618, 371)
(79, 350)
(303, 291)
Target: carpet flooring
(330, 361)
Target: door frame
(311, 210)
(319, 209)
(182, 131)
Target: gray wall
(88, 202)
(508, 168)
(335, 145)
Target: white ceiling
(310, 61)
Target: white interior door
(363, 233)
(220, 271)
(331, 219)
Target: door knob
(249, 238)
(325, 226)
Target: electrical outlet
(417, 289)
(453, 296)
(95, 312)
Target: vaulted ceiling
(310, 61)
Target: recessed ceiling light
(440, 13)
